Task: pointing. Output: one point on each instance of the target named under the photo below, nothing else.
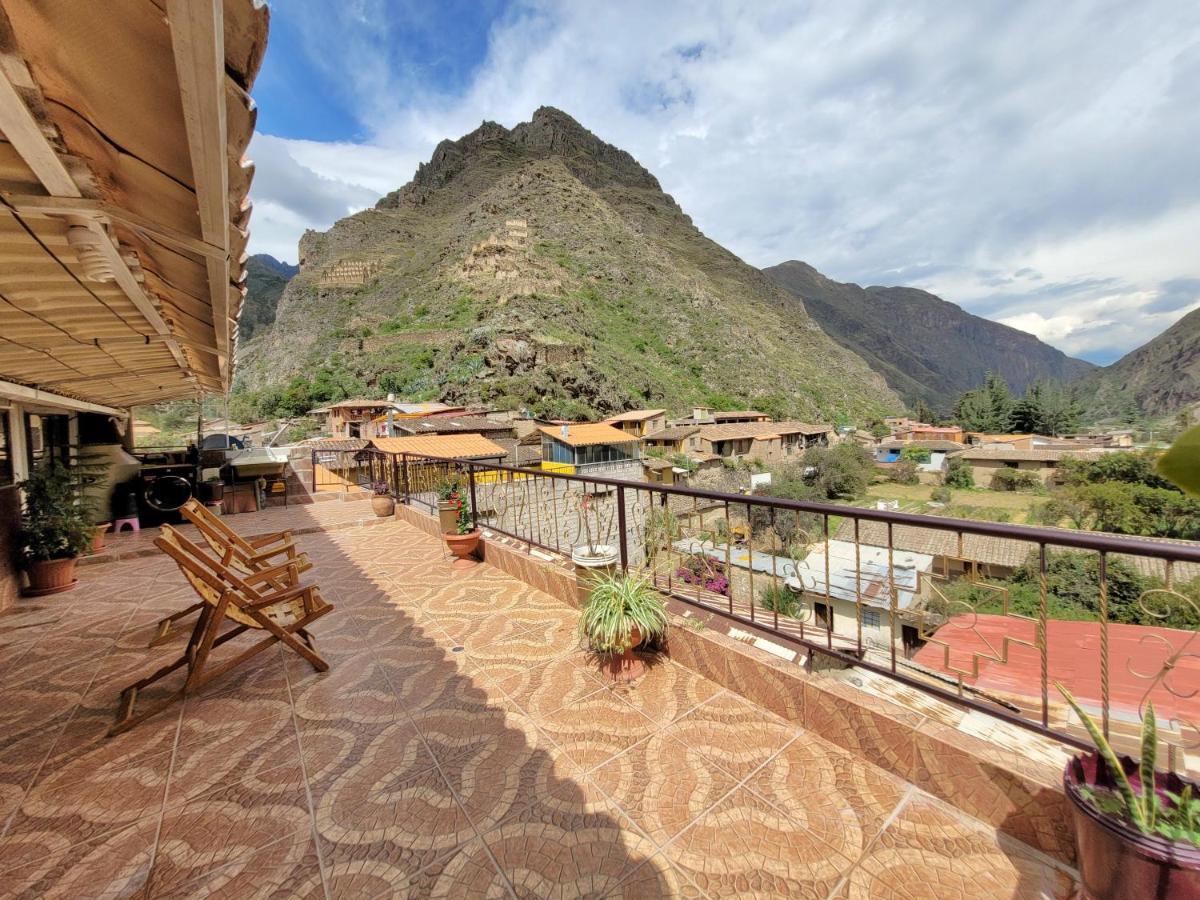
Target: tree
(903, 472)
(988, 408)
(1046, 408)
(922, 412)
(878, 429)
(841, 472)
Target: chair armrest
(288, 548)
(277, 537)
(288, 568)
(280, 596)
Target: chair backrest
(218, 535)
(209, 576)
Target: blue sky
(1040, 167)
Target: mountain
(1159, 378)
(540, 267)
(925, 347)
(266, 277)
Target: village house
(590, 448)
(501, 433)
(669, 441)
(929, 456)
(447, 446)
(931, 433)
(1043, 463)
(369, 418)
(639, 422)
(706, 415)
(762, 441)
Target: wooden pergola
(123, 208)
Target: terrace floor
(462, 744)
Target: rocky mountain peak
(549, 133)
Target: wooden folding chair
(246, 557)
(249, 602)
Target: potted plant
(382, 502)
(621, 613)
(592, 560)
(98, 531)
(55, 529)
(1137, 830)
(448, 503)
(464, 539)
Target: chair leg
(164, 624)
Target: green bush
(779, 598)
(1016, 480)
(917, 455)
(903, 472)
(940, 495)
(958, 474)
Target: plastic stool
(131, 523)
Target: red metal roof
(1073, 659)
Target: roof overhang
(123, 187)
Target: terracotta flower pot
(628, 666)
(50, 576)
(1118, 862)
(383, 505)
(463, 546)
(98, 536)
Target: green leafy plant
(778, 598)
(617, 606)
(958, 474)
(447, 489)
(464, 524)
(56, 523)
(1181, 464)
(941, 495)
(1177, 820)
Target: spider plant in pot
(382, 502)
(448, 502)
(464, 539)
(55, 529)
(622, 612)
(1137, 830)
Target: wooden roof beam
(23, 394)
(198, 42)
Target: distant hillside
(1159, 378)
(541, 267)
(926, 348)
(266, 277)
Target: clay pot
(50, 576)
(1118, 862)
(383, 506)
(98, 536)
(448, 515)
(463, 546)
(628, 666)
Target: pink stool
(131, 523)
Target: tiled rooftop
(462, 744)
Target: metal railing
(926, 601)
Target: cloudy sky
(1036, 163)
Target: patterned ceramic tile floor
(461, 745)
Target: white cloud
(1035, 168)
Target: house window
(870, 618)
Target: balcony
(461, 744)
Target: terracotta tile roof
(992, 550)
(341, 404)
(635, 415)
(674, 433)
(657, 464)
(453, 446)
(588, 433)
(1008, 454)
(739, 430)
(719, 415)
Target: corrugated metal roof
(336, 443)
(922, 445)
(450, 424)
(1008, 454)
(453, 446)
(588, 433)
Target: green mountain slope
(266, 277)
(541, 267)
(1159, 378)
(927, 348)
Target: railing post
(622, 540)
(404, 462)
(395, 476)
(474, 507)
(313, 453)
